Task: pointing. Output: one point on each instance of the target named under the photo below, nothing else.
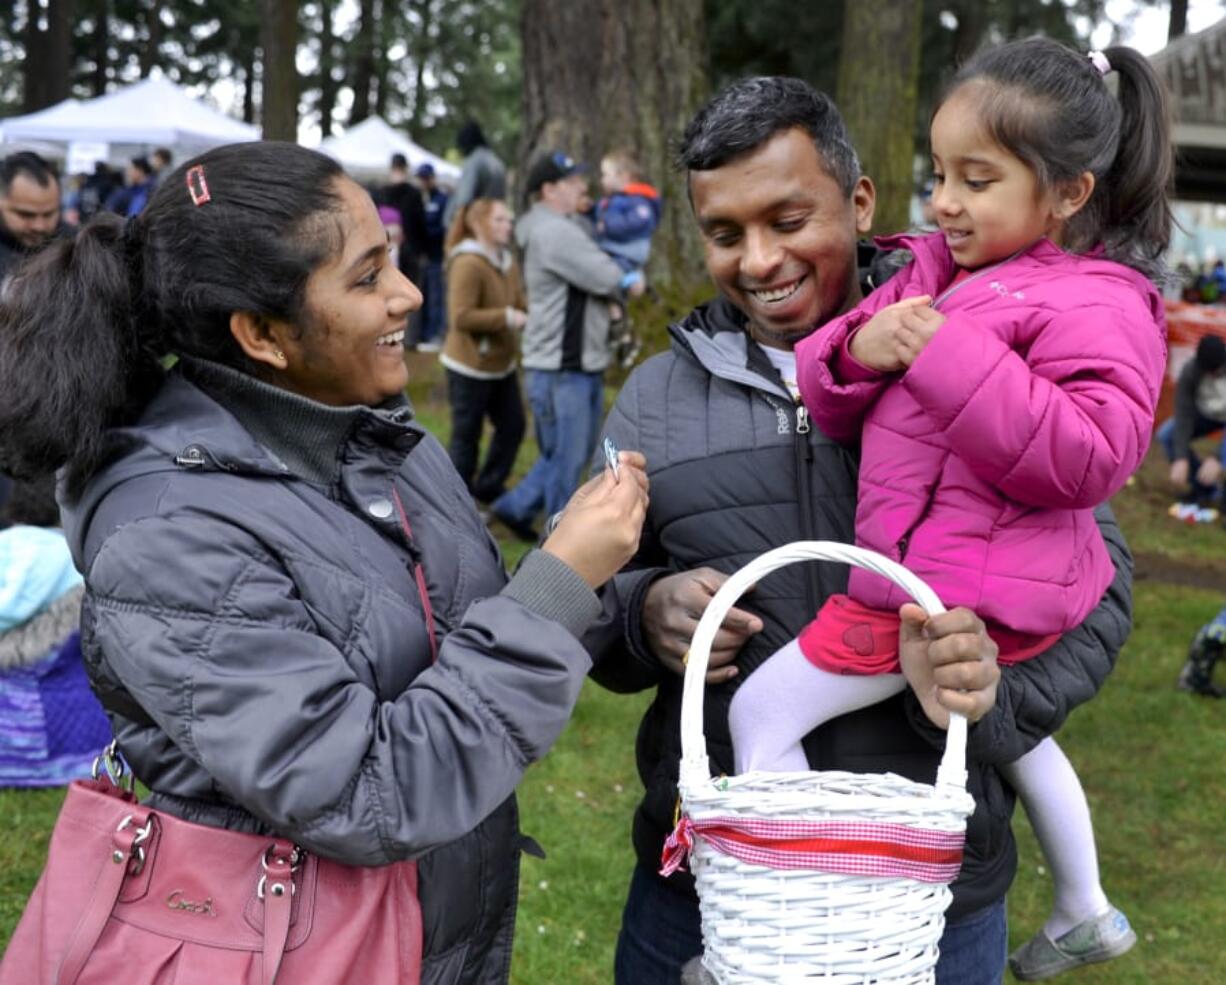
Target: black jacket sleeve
(1035, 696)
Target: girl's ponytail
(1139, 183)
(71, 361)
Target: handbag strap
(277, 890)
(419, 575)
(126, 842)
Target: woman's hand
(516, 319)
(598, 531)
(950, 663)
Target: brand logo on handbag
(176, 901)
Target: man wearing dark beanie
(1200, 408)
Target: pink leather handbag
(131, 895)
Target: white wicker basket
(829, 906)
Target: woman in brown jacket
(486, 309)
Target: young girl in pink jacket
(1001, 386)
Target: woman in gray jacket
(294, 617)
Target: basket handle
(695, 767)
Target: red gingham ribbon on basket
(853, 848)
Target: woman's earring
(279, 354)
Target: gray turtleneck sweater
(308, 437)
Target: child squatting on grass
(1001, 387)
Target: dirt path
(1180, 571)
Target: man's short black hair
(747, 113)
(26, 162)
(1210, 353)
(470, 137)
(400, 161)
(141, 163)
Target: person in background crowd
(433, 289)
(161, 159)
(483, 175)
(1204, 654)
(626, 217)
(293, 614)
(628, 213)
(570, 282)
(129, 199)
(96, 190)
(404, 196)
(1200, 409)
(29, 208)
(390, 217)
(51, 725)
(737, 469)
(487, 309)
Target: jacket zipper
(804, 494)
(951, 291)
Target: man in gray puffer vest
(737, 469)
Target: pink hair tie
(1099, 61)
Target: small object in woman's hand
(610, 457)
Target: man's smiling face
(780, 236)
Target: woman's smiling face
(357, 304)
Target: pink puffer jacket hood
(1032, 404)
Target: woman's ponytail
(1140, 181)
(459, 230)
(72, 362)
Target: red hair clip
(197, 187)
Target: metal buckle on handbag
(110, 762)
(278, 888)
(137, 853)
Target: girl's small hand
(917, 326)
(950, 663)
(599, 529)
(876, 344)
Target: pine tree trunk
(46, 73)
(279, 102)
(153, 39)
(249, 58)
(364, 63)
(101, 43)
(327, 62)
(878, 87)
(425, 11)
(58, 67)
(1177, 25)
(600, 74)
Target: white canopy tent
(366, 149)
(151, 113)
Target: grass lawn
(1151, 758)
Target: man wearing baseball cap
(569, 282)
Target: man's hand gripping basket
(831, 877)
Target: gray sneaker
(1099, 938)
